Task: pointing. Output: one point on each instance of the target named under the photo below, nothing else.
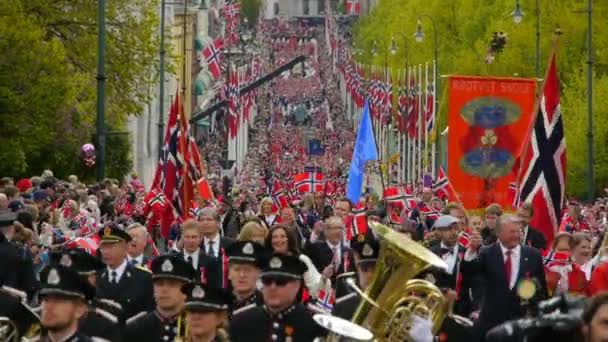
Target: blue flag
(365, 149)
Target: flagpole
(419, 93)
(434, 120)
(407, 133)
(426, 106)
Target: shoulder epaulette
(110, 302)
(103, 313)
(345, 297)
(141, 268)
(136, 317)
(244, 308)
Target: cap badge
(107, 231)
(367, 250)
(430, 278)
(276, 263)
(53, 277)
(198, 292)
(248, 248)
(167, 266)
(65, 261)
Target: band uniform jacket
(101, 324)
(151, 327)
(220, 263)
(77, 337)
(134, 291)
(256, 323)
(500, 303)
(257, 299)
(346, 306)
(207, 269)
(535, 239)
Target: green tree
(251, 10)
(464, 31)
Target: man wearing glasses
(282, 317)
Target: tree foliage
(251, 10)
(464, 31)
(48, 55)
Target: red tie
(508, 268)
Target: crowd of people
(84, 261)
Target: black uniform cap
(203, 298)
(172, 267)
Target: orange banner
(488, 120)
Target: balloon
(87, 152)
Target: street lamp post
(518, 16)
(161, 91)
(404, 161)
(101, 91)
(419, 36)
(590, 171)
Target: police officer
(121, 282)
(245, 261)
(104, 317)
(282, 317)
(64, 295)
(16, 268)
(169, 273)
(206, 313)
(366, 254)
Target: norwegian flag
(543, 177)
(513, 196)
(388, 99)
(413, 108)
(353, 7)
(396, 203)
(429, 104)
(553, 258)
(357, 222)
(279, 197)
(463, 239)
(325, 300)
(194, 210)
(309, 182)
(89, 244)
(213, 55)
(402, 102)
(430, 212)
(233, 103)
(442, 187)
(232, 11)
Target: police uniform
(61, 281)
(103, 319)
(246, 252)
(152, 326)
(134, 291)
(16, 268)
(292, 324)
(202, 298)
(367, 249)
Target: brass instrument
(393, 296)
(19, 322)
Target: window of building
(276, 8)
(306, 7)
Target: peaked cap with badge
(113, 234)
(366, 247)
(59, 280)
(172, 267)
(78, 260)
(286, 266)
(203, 298)
(246, 252)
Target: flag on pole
(365, 150)
(543, 169)
(442, 187)
(353, 7)
(213, 56)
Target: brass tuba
(393, 296)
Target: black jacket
(150, 327)
(499, 303)
(16, 268)
(220, 264)
(535, 239)
(256, 323)
(322, 255)
(346, 306)
(207, 271)
(134, 291)
(102, 324)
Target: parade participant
(63, 297)
(476, 224)
(169, 273)
(137, 245)
(265, 213)
(573, 221)
(231, 220)
(457, 210)
(581, 252)
(282, 240)
(329, 254)
(491, 215)
(343, 208)
(103, 318)
(205, 266)
(281, 318)
(129, 286)
(246, 259)
(206, 313)
(594, 326)
(531, 237)
(562, 274)
(288, 218)
(253, 231)
(503, 267)
(213, 244)
(449, 250)
(366, 250)
(16, 268)
(324, 210)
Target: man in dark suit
(16, 268)
(531, 237)
(127, 285)
(137, 245)
(213, 244)
(206, 267)
(513, 275)
(491, 215)
(330, 256)
(449, 250)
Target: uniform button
(275, 325)
(166, 327)
(280, 316)
(165, 338)
(274, 337)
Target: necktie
(190, 260)
(336, 258)
(210, 250)
(114, 277)
(508, 268)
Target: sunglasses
(276, 281)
